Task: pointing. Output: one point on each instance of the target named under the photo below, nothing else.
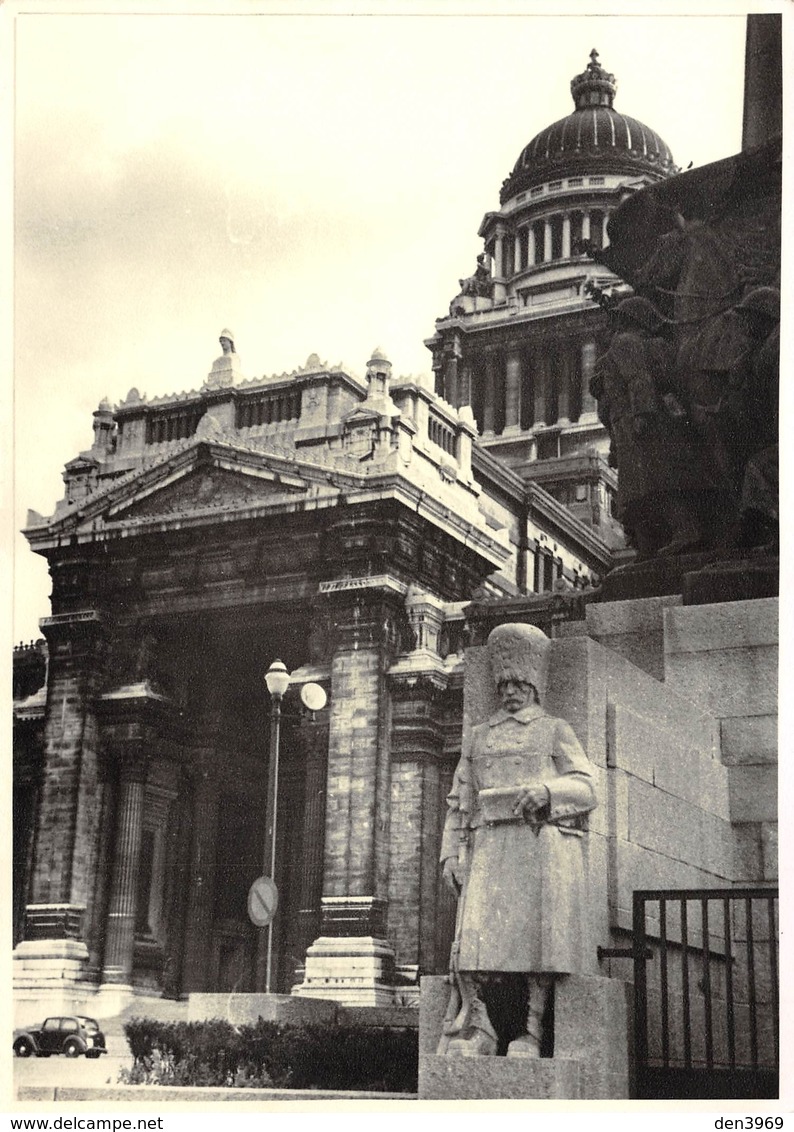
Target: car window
(88, 1024)
(69, 1025)
(52, 1024)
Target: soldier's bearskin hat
(520, 652)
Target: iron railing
(706, 1009)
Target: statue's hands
(531, 798)
(452, 872)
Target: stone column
(499, 256)
(604, 236)
(541, 377)
(513, 392)
(120, 939)
(530, 245)
(563, 384)
(490, 394)
(566, 236)
(589, 405)
(585, 225)
(547, 240)
(517, 265)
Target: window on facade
(521, 196)
(574, 181)
(536, 191)
(596, 181)
(548, 572)
(581, 492)
(554, 185)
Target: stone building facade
(520, 341)
(339, 525)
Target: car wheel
(23, 1047)
(71, 1048)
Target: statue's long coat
(524, 898)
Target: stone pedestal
(591, 1049)
(351, 970)
(48, 975)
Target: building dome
(593, 138)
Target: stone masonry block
(498, 1078)
(591, 1021)
(663, 823)
(617, 617)
(727, 682)
(752, 739)
(769, 851)
(753, 793)
(747, 856)
(726, 625)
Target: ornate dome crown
(595, 138)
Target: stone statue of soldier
(513, 850)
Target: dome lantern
(594, 87)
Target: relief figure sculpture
(513, 851)
(671, 494)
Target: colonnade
(515, 388)
(547, 239)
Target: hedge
(273, 1055)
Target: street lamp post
(277, 681)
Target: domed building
(521, 337)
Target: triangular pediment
(205, 489)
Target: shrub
(271, 1054)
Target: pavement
(77, 1071)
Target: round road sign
(314, 697)
(262, 901)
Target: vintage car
(70, 1036)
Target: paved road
(74, 1071)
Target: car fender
(74, 1038)
(32, 1037)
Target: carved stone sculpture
(704, 249)
(512, 850)
(671, 497)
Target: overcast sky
(314, 182)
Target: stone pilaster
(513, 392)
(416, 817)
(589, 407)
(52, 957)
(314, 748)
(351, 961)
(489, 399)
